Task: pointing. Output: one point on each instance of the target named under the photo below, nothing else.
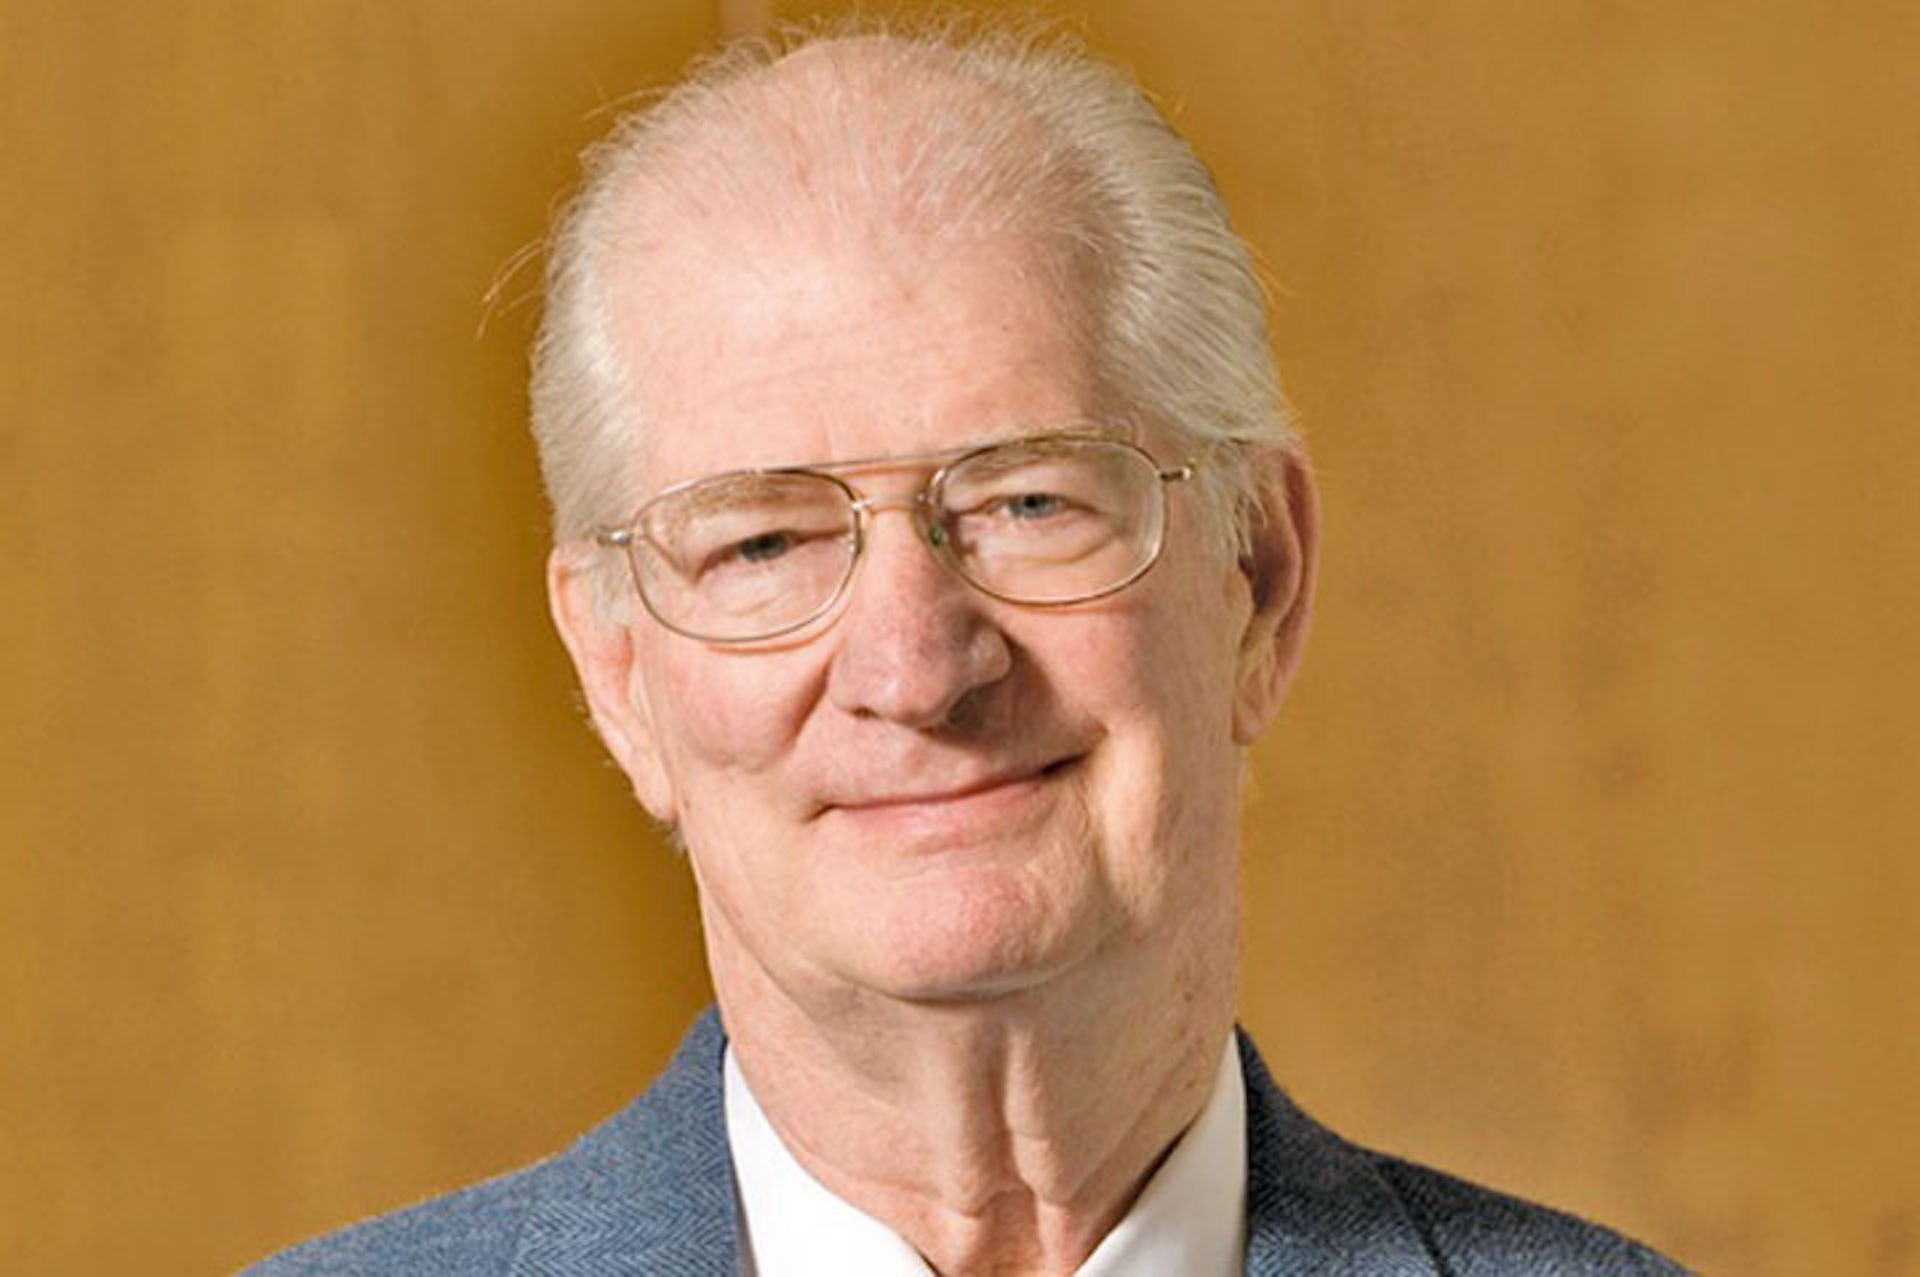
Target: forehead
(796, 350)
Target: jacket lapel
(649, 1193)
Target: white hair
(938, 131)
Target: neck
(1002, 1136)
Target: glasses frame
(923, 505)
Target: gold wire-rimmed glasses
(1043, 521)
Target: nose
(915, 643)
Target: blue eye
(1032, 505)
(764, 547)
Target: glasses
(1045, 521)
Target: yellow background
(1581, 861)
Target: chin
(960, 986)
(975, 945)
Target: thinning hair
(933, 131)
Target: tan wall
(1576, 863)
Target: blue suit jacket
(649, 1193)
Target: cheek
(1184, 672)
(1186, 668)
(721, 712)
(1164, 693)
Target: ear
(602, 649)
(1280, 568)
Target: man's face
(928, 794)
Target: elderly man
(931, 544)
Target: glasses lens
(744, 556)
(1053, 520)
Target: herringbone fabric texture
(649, 1193)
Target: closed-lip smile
(903, 799)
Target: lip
(953, 798)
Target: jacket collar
(1315, 1203)
(649, 1193)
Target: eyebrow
(1114, 431)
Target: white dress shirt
(1189, 1219)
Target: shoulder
(652, 1181)
(1318, 1203)
(475, 1231)
(1478, 1231)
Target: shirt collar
(1190, 1218)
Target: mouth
(957, 799)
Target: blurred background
(1581, 861)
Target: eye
(1032, 505)
(776, 549)
(763, 547)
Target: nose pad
(925, 524)
(917, 645)
(933, 533)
